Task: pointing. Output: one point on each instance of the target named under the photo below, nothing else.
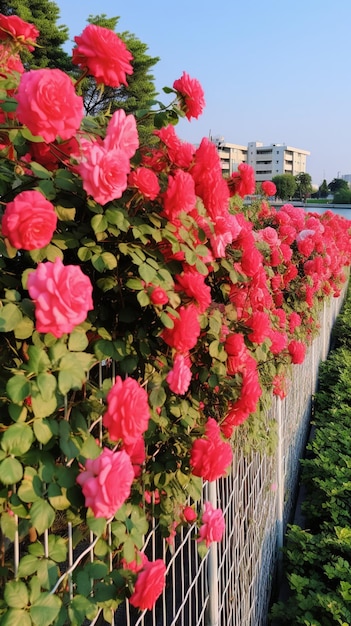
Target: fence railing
(232, 584)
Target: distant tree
(343, 196)
(140, 90)
(323, 189)
(286, 185)
(303, 185)
(337, 184)
(44, 14)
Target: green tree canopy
(343, 196)
(323, 189)
(285, 184)
(337, 184)
(45, 15)
(303, 185)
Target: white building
(231, 155)
(277, 158)
(267, 161)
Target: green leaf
(147, 272)
(85, 254)
(71, 373)
(65, 214)
(57, 548)
(143, 298)
(57, 497)
(16, 594)
(17, 439)
(10, 316)
(38, 360)
(14, 617)
(99, 223)
(39, 171)
(42, 515)
(158, 397)
(47, 386)
(28, 565)
(97, 525)
(9, 525)
(46, 187)
(40, 406)
(18, 388)
(24, 329)
(45, 609)
(28, 135)
(78, 340)
(31, 487)
(79, 609)
(43, 430)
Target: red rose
(62, 297)
(44, 98)
(158, 296)
(242, 182)
(104, 54)
(180, 194)
(29, 221)
(213, 525)
(104, 172)
(149, 585)
(191, 95)
(106, 482)
(128, 412)
(180, 376)
(12, 26)
(146, 181)
(297, 351)
(210, 456)
(186, 330)
(269, 188)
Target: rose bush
(146, 313)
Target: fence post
(280, 487)
(212, 570)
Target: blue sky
(273, 71)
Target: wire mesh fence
(232, 584)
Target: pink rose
(136, 452)
(186, 329)
(269, 188)
(210, 456)
(104, 54)
(189, 514)
(13, 27)
(242, 182)
(128, 412)
(146, 181)
(191, 95)
(62, 295)
(180, 195)
(179, 377)
(106, 482)
(213, 525)
(194, 286)
(297, 351)
(158, 296)
(137, 565)
(29, 221)
(48, 104)
(122, 133)
(149, 585)
(104, 172)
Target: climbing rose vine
(147, 315)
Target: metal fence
(232, 585)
